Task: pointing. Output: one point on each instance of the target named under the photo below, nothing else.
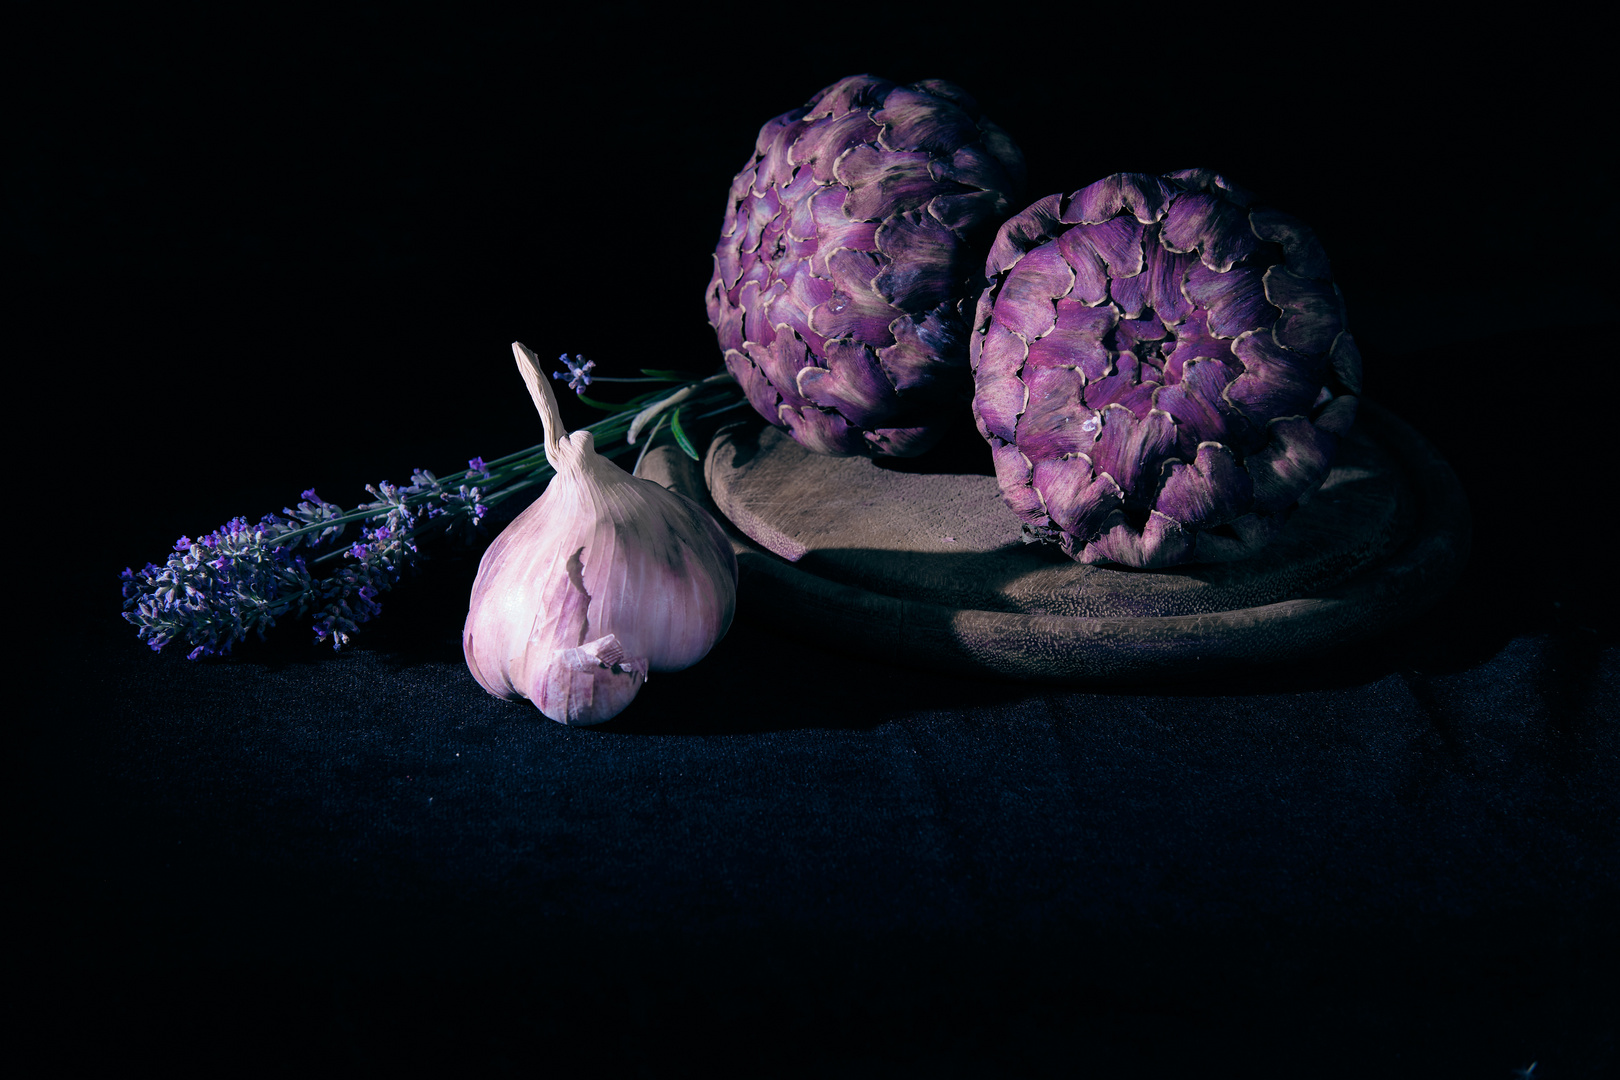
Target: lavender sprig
(578, 373)
(241, 578)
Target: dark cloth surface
(257, 269)
(1405, 852)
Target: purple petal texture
(1293, 462)
(914, 362)
(1129, 449)
(1097, 253)
(1077, 340)
(758, 326)
(742, 186)
(1025, 303)
(922, 271)
(974, 166)
(1161, 542)
(795, 196)
(1089, 271)
(1193, 340)
(822, 431)
(835, 231)
(1158, 286)
(1055, 421)
(796, 251)
(852, 383)
(764, 210)
(1310, 311)
(800, 294)
(997, 404)
(1195, 404)
(1218, 229)
(727, 267)
(1213, 490)
(1197, 361)
(1302, 253)
(903, 442)
(727, 320)
(1123, 391)
(1078, 499)
(852, 94)
(1142, 337)
(1130, 296)
(1118, 243)
(823, 146)
(983, 311)
(1145, 197)
(855, 307)
(919, 120)
(1235, 300)
(775, 148)
(850, 244)
(756, 387)
(1014, 473)
(1030, 227)
(998, 353)
(780, 363)
(1123, 385)
(1275, 382)
(882, 183)
(1209, 180)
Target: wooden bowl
(930, 569)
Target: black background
(258, 254)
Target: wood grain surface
(931, 569)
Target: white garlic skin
(602, 579)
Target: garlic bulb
(604, 578)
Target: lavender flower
(253, 579)
(242, 578)
(578, 373)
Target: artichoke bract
(1161, 369)
(852, 251)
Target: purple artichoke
(1161, 369)
(852, 249)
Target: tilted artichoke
(1161, 369)
(852, 250)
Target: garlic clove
(602, 579)
(589, 683)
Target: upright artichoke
(852, 249)
(1161, 369)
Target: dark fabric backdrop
(264, 254)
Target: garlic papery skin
(602, 579)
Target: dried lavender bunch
(213, 591)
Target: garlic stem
(544, 401)
(646, 415)
(650, 440)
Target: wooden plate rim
(1069, 648)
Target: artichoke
(1161, 369)
(852, 249)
